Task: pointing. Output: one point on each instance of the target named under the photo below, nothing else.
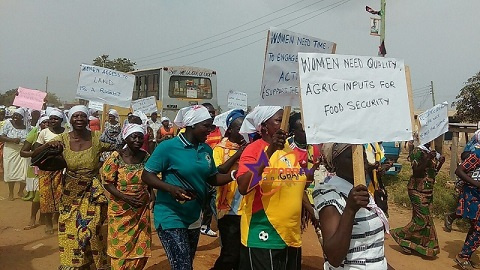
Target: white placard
(192, 92)
(95, 105)
(433, 123)
(280, 83)
(354, 99)
(237, 100)
(146, 105)
(105, 86)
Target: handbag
(49, 160)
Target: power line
(231, 35)
(227, 31)
(337, 4)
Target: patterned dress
(420, 234)
(129, 229)
(82, 208)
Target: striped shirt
(367, 242)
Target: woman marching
(229, 200)
(14, 133)
(83, 205)
(271, 218)
(352, 225)
(420, 235)
(50, 182)
(111, 131)
(186, 163)
(26, 152)
(165, 132)
(129, 230)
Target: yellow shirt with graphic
(229, 199)
(271, 216)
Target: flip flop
(29, 227)
(49, 232)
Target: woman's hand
(16, 141)
(55, 145)
(134, 201)
(358, 198)
(180, 194)
(278, 142)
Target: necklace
(300, 145)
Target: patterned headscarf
(331, 151)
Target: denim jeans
(180, 246)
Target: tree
(468, 101)
(120, 64)
(6, 99)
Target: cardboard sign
(354, 99)
(105, 86)
(29, 98)
(95, 105)
(280, 83)
(237, 100)
(433, 123)
(146, 105)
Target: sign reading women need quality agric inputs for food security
(280, 83)
(354, 99)
(105, 85)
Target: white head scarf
(114, 113)
(141, 115)
(253, 121)
(165, 119)
(22, 111)
(189, 116)
(129, 129)
(75, 109)
(56, 112)
(42, 119)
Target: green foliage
(7, 98)
(468, 100)
(120, 64)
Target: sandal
(49, 232)
(29, 227)
(465, 264)
(406, 250)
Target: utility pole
(46, 85)
(382, 23)
(432, 93)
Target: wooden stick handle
(358, 165)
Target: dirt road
(25, 250)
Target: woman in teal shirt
(187, 165)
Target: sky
(438, 40)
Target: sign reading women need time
(354, 99)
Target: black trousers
(289, 258)
(209, 205)
(229, 228)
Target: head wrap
(165, 119)
(130, 129)
(75, 109)
(22, 111)
(331, 151)
(114, 113)
(253, 121)
(475, 140)
(42, 119)
(234, 115)
(189, 116)
(56, 112)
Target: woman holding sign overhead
(273, 184)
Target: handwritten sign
(354, 99)
(433, 123)
(105, 86)
(95, 105)
(280, 83)
(237, 100)
(146, 105)
(29, 98)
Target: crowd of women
(85, 179)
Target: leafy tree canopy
(120, 64)
(468, 100)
